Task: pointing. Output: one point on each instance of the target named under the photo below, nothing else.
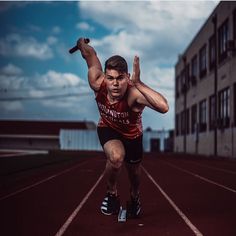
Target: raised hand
(135, 78)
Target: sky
(40, 80)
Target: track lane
(225, 179)
(210, 208)
(20, 172)
(158, 217)
(43, 209)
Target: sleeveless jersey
(119, 115)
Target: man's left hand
(135, 78)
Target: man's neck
(112, 99)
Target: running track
(61, 195)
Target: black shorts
(133, 147)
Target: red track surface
(180, 196)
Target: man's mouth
(115, 90)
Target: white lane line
(201, 177)
(13, 153)
(64, 227)
(180, 213)
(214, 168)
(41, 181)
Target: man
(120, 101)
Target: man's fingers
(83, 40)
(136, 64)
(79, 44)
(136, 59)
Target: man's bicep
(135, 100)
(95, 77)
(141, 100)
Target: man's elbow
(164, 108)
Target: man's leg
(134, 173)
(134, 205)
(115, 154)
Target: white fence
(79, 140)
(88, 139)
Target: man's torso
(119, 115)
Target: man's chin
(116, 95)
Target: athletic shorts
(133, 147)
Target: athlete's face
(117, 83)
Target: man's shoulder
(132, 90)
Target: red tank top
(118, 116)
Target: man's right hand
(81, 42)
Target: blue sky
(39, 79)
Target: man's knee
(116, 159)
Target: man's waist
(130, 131)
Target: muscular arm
(95, 74)
(144, 95)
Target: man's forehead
(113, 72)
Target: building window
(177, 124)
(182, 117)
(224, 108)
(223, 36)
(202, 116)
(182, 81)
(194, 70)
(234, 18)
(187, 121)
(234, 106)
(212, 114)
(212, 56)
(177, 86)
(194, 118)
(202, 62)
(187, 74)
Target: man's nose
(116, 82)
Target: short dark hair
(116, 63)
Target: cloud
(159, 32)
(5, 6)
(84, 26)
(57, 79)
(34, 28)
(52, 95)
(10, 70)
(56, 29)
(152, 15)
(12, 78)
(51, 40)
(9, 107)
(16, 45)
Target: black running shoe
(133, 207)
(110, 204)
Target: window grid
(202, 116)
(224, 108)
(202, 62)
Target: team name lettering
(112, 115)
